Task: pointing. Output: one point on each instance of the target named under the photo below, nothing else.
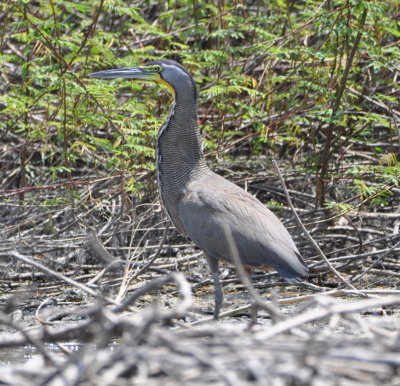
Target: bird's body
(203, 205)
(260, 238)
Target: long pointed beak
(130, 73)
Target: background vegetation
(312, 82)
(85, 250)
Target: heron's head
(167, 72)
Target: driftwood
(92, 295)
(155, 346)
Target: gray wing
(260, 238)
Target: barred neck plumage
(179, 154)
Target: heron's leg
(253, 304)
(213, 263)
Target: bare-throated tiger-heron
(202, 204)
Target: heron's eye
(156, 68)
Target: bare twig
(378, 261)
(178, 278)
(98, 248)
(303, 228)
(154, 257)
(258, 301)
(329, 308)
(59, 276)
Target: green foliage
(339, 207)
(273, 204)
(277, 59)
(373, 184)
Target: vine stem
(324, 159)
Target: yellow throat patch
(170, 88)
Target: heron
(202, 204)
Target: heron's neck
(179, 149)
(180, 158)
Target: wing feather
(260, 238)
